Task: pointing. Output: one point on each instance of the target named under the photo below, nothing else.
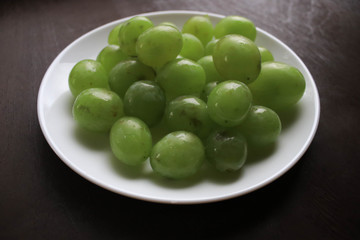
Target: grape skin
(125, 73)
(178, 155)
(278, 87)
(201, 27)
(97, 109)
(229, 103)
(130, 32)
(86, 74)
(181, 77)
(159, 45)
(190, 114)
(226, 150)
(145, 100)
(130, 141)
(237, 58)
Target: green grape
(207, 90)
(229, 103)
(159, 45)
(168, 24)
(125, 73)
(178, 155)
(226, 150)
(181, 77)
(110, 56)
(261, 127)
(130, 141)
(146, 101)
(237, 58)
(192, 47)
(87, 74)
(279, 86)
(235, 25)
(97, 109)
(130, 31)
(209, 48)
(113, 37)
(211, 73)
(266, 55)
(201, 27)
(189, 114)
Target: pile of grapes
(212, 91)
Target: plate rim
(138, 196)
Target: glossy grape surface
(237, 58)
(212, 75)
(192, 47)
(130, 32)
(235, 25)
(190, 114)
(229, 103)
(110, 56)
(261, 127)
(125, 73)
(159, 45)
(168, 24)
(207, 90)
(113, 37)
(97, 109)
(130, 140)
(146, 101)
(209, 48)
(87, 74)
(178, 155)
(201, 27)
(266, 55)
(226, 150)
(181, 77)
(279, 86)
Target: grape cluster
(211, 90)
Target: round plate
(90, 156)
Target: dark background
(41, 198)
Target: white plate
(92, 159)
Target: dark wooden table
(41, 198)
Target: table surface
(41, 198)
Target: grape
(168, 24)
(199, 26)
(192, 47)
(207, 90)
(235, 25)
(226, 150)
(266, 55)
(181, 77)
(110, 56)
(177, 155)
(87, 74)
(229, 102)
(211, 73)
(125, 73)
(261, 127)
(130, 141)
(113, 38)
(279, 86)
(209, 48)
(189, 114)
(159, 45)
(130, 31)
(97, 109)
(237, 58)
(145, 100)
